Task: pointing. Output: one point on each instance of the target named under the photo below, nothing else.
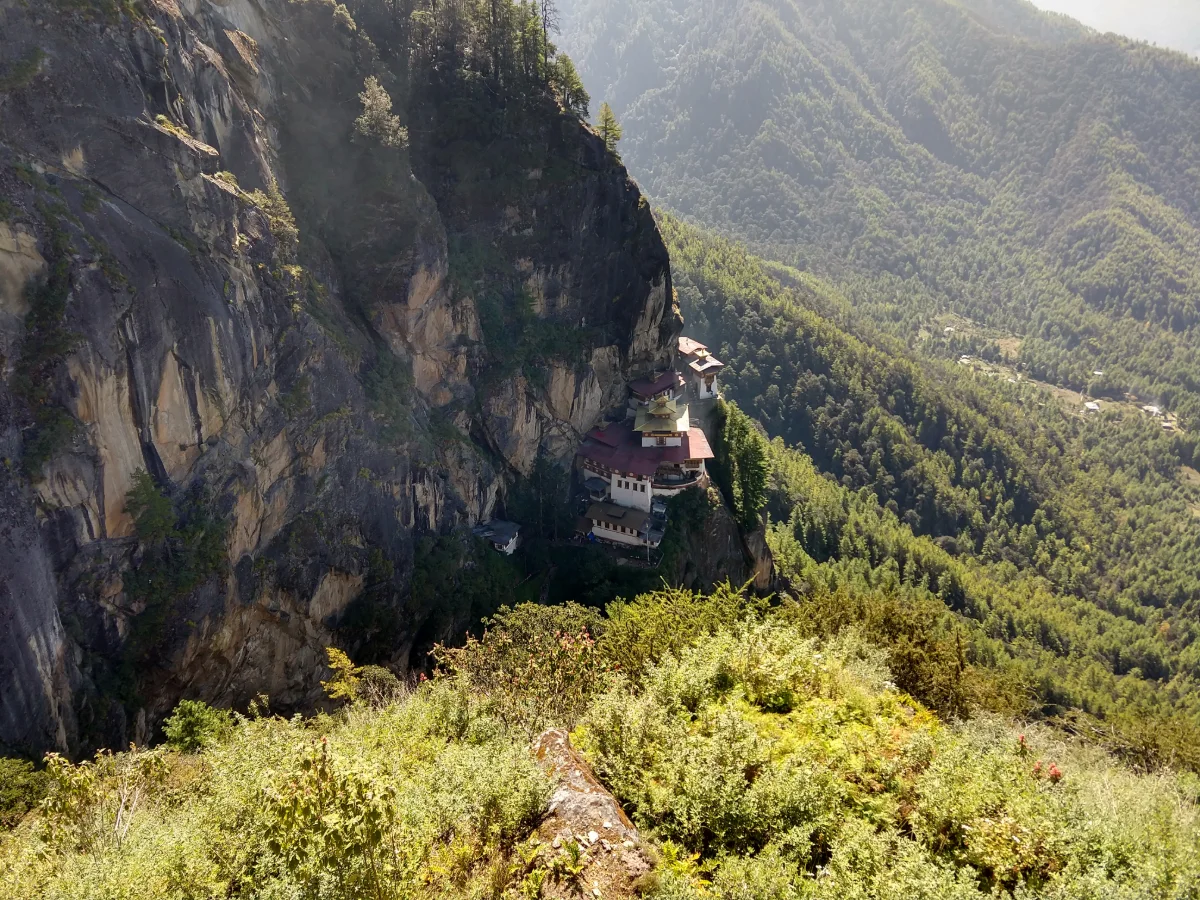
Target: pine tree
(569, 86)
(550, 22)
(377, 120)
(609, 128)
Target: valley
(743, 450)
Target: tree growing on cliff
(567, 84)
(153, 515)
(742, 464)
(377, 120)
(609, 129)
(548, 12)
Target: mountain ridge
(904, 156)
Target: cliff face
(706, 548)
(447, 313)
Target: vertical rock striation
(328, 399)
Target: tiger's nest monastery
(632, 468)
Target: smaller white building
(634, 491)
(504, 537)
(618, 525)
(702, 368)
(1091, 407)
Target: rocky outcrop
(327, 399)
(583, 812)
(705, 547)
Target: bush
(850, 789)
(22, 787)
(153, 515)
(535, 667)
(194, 725)
(22, 72)
(374, 802)
(641, 632)
(763, 763)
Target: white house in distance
(621, 525)
(504, 537)
(702, 368)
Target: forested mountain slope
(1070, 542)
(931, 157)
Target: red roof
(697, 445)
(612, 436)
(664, 382)
(620, 449)
(688, 346)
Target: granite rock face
(332, 397)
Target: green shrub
(279, 218)
(183, 546)
(535, 666)
(378, 686)
(22, 787)
(642, 631)
(373, 803)
(194, 725)
(853, 790)
(390, 388)
(154, 517)
(850, 789)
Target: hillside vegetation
(758, 758)
(976, 158)
(1071, 543)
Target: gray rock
(209, 364)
